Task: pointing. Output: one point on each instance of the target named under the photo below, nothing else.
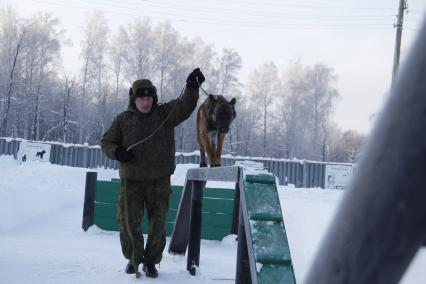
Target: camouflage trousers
(152, 195)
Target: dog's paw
(203, 165)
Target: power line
(304, 6)
(249, 12)
(222, 22)
(222, 11)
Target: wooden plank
(263, 202)
(106, 196)
(217, 220)
(207, 232)
(174, 202)
(218, 174)
(223, 193)
(107, 185)
(225, 206)
(276, 274)
(106, 191)
(105, 210)
(270, 245)
(106, 223)
(214, 233)
(177, 189)
(171, 215)
(261, 178)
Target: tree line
(280, 113)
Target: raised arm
(180, 109)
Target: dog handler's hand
(195, 79)
(122, 155)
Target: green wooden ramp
(268, 249)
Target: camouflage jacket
(155, 157)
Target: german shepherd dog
(213, 120)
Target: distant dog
(214, 118)
(40, 154)
(24, 158)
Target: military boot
(150, 270)
(130, 269)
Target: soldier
(145, 170)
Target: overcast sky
(355, 37)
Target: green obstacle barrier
(263, 254)
(217, 211)
(266, 239)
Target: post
(187, 228)
(85, 150)
(380, 223)
(402, 7)
(180, 234)
(195, 227)
(243, 274)
(305, 174)
(235, 214)
(89, 200)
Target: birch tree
(229, 86)
(322, 95)
(263, 88)
(11, 39)
(94, 27)
(166, 57)
(67, 93)
(140, 60)
(293, 109)
(118, 55)
(46, 47)
(101, 72)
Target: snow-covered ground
(41, 240)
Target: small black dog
(40, 154)
(24, 158)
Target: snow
(41, 240)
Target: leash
(129, 231)
(167, 118)
(161, 125)
(204, 91)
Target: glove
(195, 79)
(122, 155)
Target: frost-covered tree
(43, 47)
(93, 52)
(230, 64)
(322, 95)
(118, 54)
(263, 88)
(141, 50)
(166, 57)
(348, 147)
(12, 34)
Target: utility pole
(402, 7)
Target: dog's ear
(233, 101)
(212, 98)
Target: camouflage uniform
(146, 178)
